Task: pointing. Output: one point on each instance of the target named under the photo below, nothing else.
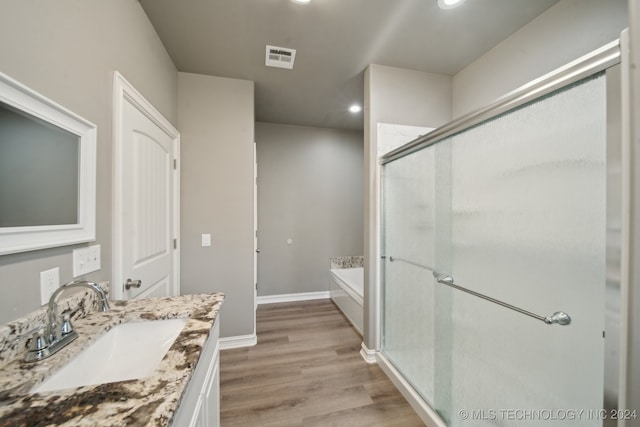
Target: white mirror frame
(21, 239)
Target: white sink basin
(126, 352)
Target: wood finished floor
(306, 370)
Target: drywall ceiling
(335, 40)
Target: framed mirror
(47, 172)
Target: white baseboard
(239, 341)
(303, 296)
(369, 356)
(424, 411)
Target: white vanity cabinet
(200, 405)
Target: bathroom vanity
(182, 390)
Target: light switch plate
(86, 260)
(206, 240)
(49, 282)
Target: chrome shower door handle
(132, 284)
(557, 318)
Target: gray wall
(310, 190)
(67, 50)
(215, 118)
(399, 96)
(564, 32)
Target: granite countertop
(151, 401)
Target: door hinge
(175, 243)
(175, 164)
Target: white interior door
(146, 223)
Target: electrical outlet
(49, 282)
(86, 260)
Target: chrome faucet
(57, 335)
(55, 332)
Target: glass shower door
(409, 312)
(528, 228)
(513, 208)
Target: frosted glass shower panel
(513, 208)
(408, 308)
(528, 228)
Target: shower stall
(500, 244)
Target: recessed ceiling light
(301, 1)
(449, 4)
(355, 108)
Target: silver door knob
(258, 251)
(132, 284)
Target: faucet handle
(32, 335)
(66, 327)
(38, 341)
(38, 346)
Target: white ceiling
(335, 41)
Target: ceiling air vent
(280, 57)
